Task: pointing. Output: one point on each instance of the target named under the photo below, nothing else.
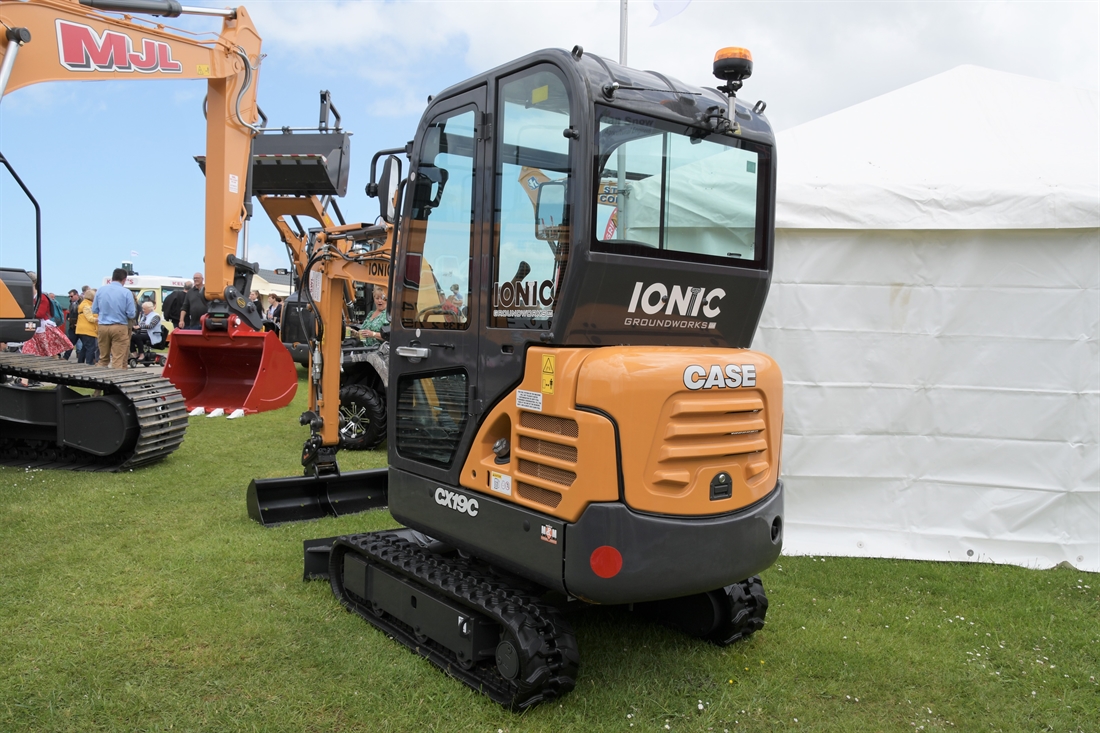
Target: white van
(152, 288)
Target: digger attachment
(299, 498)
(233, 369)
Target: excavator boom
(231, 363)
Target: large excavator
(231, 363)
(581, 253)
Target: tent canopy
(935, 309)
(970, 148)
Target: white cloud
(811, 58)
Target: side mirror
(388, 183)
(550, 223)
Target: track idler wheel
(720, 616)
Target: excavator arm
(68, 40)
(231, 364)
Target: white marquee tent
(936, 313)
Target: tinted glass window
(431, 415)
(669, 191)
(437, 261)
(531, 246)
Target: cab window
(679, 193)
(440, 244)
(531, 245)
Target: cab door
(436, 305)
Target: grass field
(148, 601)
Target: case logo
(82, 49)
(454, 500)
(731, 376)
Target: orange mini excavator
(581, 254)
(231, 362)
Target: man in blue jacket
(114, 305)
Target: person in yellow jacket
(87, 329)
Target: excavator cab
(599, 241)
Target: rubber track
(161, 414)
(544, 639)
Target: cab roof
(647, 92)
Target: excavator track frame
(536, 642)
(157, 408)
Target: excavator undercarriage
(491, 631)
(131, 419)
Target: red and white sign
(612, 225)
(80, 48)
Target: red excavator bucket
(234, 369)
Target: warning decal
(548, 373)
(500, 483)
(528, 400)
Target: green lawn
(149, 601)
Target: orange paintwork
(540, 458)
(8, 307)
(675, 439)
(199, 57)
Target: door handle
(413, 353)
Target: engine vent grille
(547, 473)
(549, 424)
(548, 449)
(539, 495)
(713, 428)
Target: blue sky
(111, 162)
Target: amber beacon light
(733, 64)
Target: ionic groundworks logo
(660, 300)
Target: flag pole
(622, 32)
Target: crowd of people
(107, 326)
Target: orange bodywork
(70, 42)
(674, 438)
(562, 458)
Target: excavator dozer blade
(235, 369)
(300, 498)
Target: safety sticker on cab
(548, 365)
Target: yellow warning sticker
(540, 94)
(202, 69)
(548, 373)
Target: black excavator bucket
(274, 501)
(302, 164)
